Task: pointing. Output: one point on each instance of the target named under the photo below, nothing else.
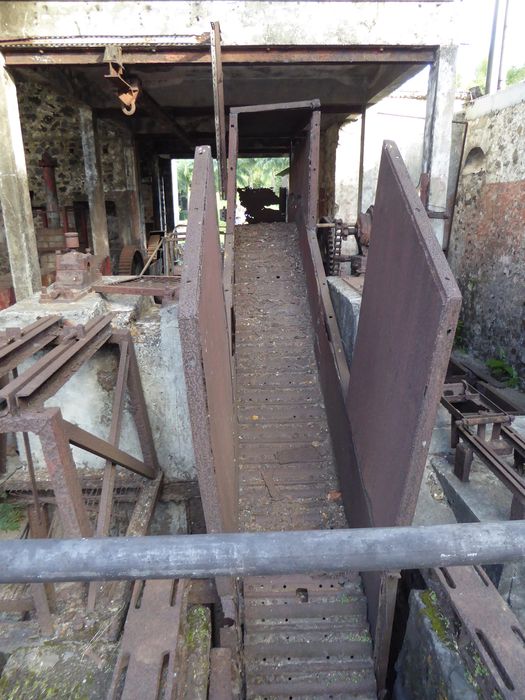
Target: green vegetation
(439, 622)
(10, 516)
(459, 338)
(515, 75)
(198, 627)
(480, 78)
(502, 371)
(251, 172)
(260, 172)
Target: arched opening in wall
(474, 162)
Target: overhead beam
(261, 553)
(176, 112)
(163, 116)
(231, 55)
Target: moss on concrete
(198, 627)
(59, 670)
(440, 624)
(198, 643)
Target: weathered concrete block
(347, 304)
(429, 666)
(73, 670)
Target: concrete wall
(400, 118)
(487, 246)
(241, 22)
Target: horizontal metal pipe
(264, 553)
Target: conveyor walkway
(304, 636)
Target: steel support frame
(37, 52)
(493, 437)
(23, 408)
(48, 425)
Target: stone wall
(50, 123)
(487, 246)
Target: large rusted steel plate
(407, 321)
(206, 353)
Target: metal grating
(304, 636)
(287, 475)
(307, 636)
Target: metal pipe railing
(264, 553)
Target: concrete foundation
(347, 304)
(86, 399)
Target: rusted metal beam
(117, 593)
(276, 107)
(18, 345)
(218, 102)
(140, 414)
(108, 482)
(152, 638)
(233, 148)
(166, 287)
(43, 378)
(63, 473)
(102, 448)
(261, 553)
(231, 55)
(48, 424)
(488, 626)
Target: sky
(474, 35)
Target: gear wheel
(131, 261)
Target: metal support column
(438, 136)
(14, 194)
(94, 183)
